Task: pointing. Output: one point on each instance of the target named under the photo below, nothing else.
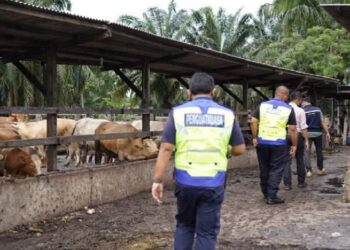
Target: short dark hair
(296, 95)
(201, 83)
(307, 99)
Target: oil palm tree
(300, 15)
(221, 32)
(53, 4)
(168, 23)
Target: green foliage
(324, 52)
(298, 15)
(54, 4)
(222, 32)
(167, 23)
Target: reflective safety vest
(313, 118)
(203, 131)
(274, 116)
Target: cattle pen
(30, 33)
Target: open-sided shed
(30, 33)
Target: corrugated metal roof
(53, 11)
(27, 30)
(340, 12)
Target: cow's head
(40, 155)
(150, 147)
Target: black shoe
(265, 197)
(274, 201)
(302, 185)
(288, 187)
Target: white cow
(85, 126)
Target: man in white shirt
(296, 100)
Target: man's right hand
(255, 142)
(157, 192)
(293, 150)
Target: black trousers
(318, 145)
(198, 217)
(272, 162)
(299, 157)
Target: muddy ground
(312, 218)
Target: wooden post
(145, 96)
(51, 95)
(332, 122)
(245, 102)
(245, 95)
(345, 128)
(273, 90)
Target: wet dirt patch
(142, 241)
(334, 185)
(336, 182)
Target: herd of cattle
(28, 161)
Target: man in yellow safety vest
(200, 131)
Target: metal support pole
(145, 96)
(51, 95)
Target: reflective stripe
(184, 178)
(203, 151)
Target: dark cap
(201, 83)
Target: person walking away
(303, 143)
(314, 120)
(200, 131)
(269, 130)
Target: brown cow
(13, 118)
(20, 163)
(128, 148)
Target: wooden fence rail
(77, 138)
(60, 110)
(53, 141)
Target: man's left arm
(237, 140)
(292, 130)
(254, 125)
(303, 126)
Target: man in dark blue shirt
(200, 131)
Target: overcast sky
(111, 9)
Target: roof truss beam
(233, 95)
(128, 82)
(31, 78)
(183, 82)
(260, 93)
